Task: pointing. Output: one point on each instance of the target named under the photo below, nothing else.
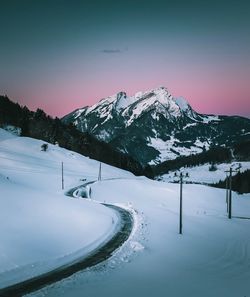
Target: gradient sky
(62, 55)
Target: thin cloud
(113, 51)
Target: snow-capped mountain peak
(153, 126)
(123, 101)
(182, 103)
(158, 101)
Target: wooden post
(100, 172)
(62, 178)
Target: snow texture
(132, 107)
(40, 227)
(211, 257)
(201, 174)
(170, 148)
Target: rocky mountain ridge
(153, 126)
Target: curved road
(100, 254)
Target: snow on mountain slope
(168, 149)
(201, 174)
(210, 259)
(123, 101)
(160, 100)
(40, 227)
(134, 106)
(129, 123)
(182, 103)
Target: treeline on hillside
(41, 126)
(214, 155)
(240, 182)
(241, 151)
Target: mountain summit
(153, 126)
(158, 100)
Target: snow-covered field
(40, 227)
(201, 174)
(210, 259)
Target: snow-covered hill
(41, 228)
(153, 126)
(210, 259)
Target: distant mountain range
(153, 126)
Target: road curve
(100, 254)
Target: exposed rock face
(154, 126)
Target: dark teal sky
(60, 55)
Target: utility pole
(229, 185)
(181, 186)
(100, 172)
(180, 223)
(62, 178)
(227, 192)
(230, 194)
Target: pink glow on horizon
(209, 95)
